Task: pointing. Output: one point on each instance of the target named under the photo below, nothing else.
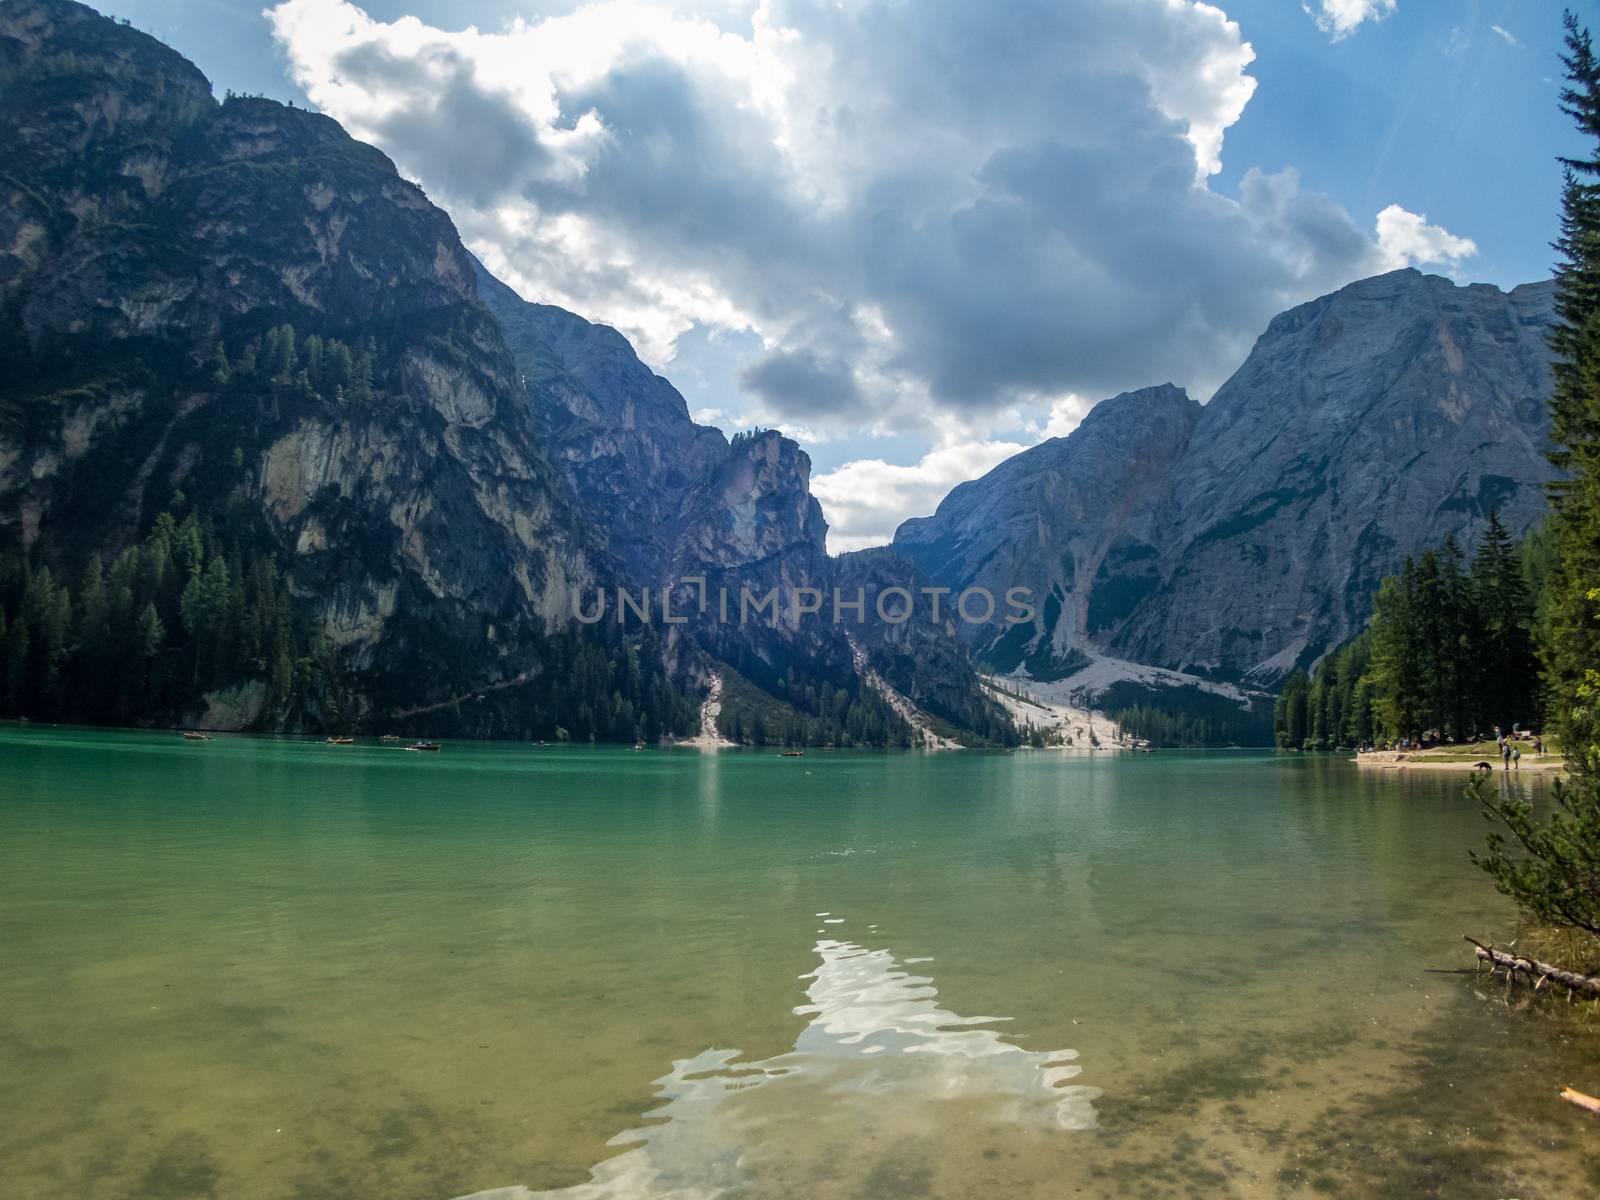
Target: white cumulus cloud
(910, 209)
(867, 499)
(948, 220)
(1340, 18)
(1407, 240)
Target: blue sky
(1429, 108)
(920, 237)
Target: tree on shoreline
(1553, 868)
(1574, 641)
(1449, 649)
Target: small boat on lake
(390, 737)
(423, 746)
(794, 754)
(339, 741)
(191, 735)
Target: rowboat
(340, 741)
(190, 735)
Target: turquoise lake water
(271, 968)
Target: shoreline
(1402, 760)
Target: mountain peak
(1163, 400)
(1241, 538)
(1398, 293)
(71, 41)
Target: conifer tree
(1507, 667)
(1574, 636)
(1289, 715)
(1554, 869)
(1398, 655)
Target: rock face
(676, 501)
(925, 662)
(1365, 426)
(1240, 539)
(621, 433)
(235, 317)
(751, 527)
(688, 511)
(149, 238)
(1075, 520)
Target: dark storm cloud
(1086, 268)
(452, 130)
(967, 203)
(676, 167)
(797, 383)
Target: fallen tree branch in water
(1573, 1096)
(1515, 964)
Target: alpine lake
(270, 968)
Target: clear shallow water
(257, 968)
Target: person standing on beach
(1505, 754)
(1516, 758)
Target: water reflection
(878, 1052)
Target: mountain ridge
(696, 514)
(336, 475)
(1364, 425)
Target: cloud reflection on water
(878, 1049)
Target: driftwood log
(1541, 973)
(1573, 1096)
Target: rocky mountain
(621, 433)
(1365, 426)
(1233, 541)
(236, 307)
(1075, 520)
(275, 451)
(710, 521)
(924, 664)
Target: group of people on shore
(1510, 752)
(1508, 745)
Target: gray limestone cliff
(692, 512)
(1239, 539)
(154, 246)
